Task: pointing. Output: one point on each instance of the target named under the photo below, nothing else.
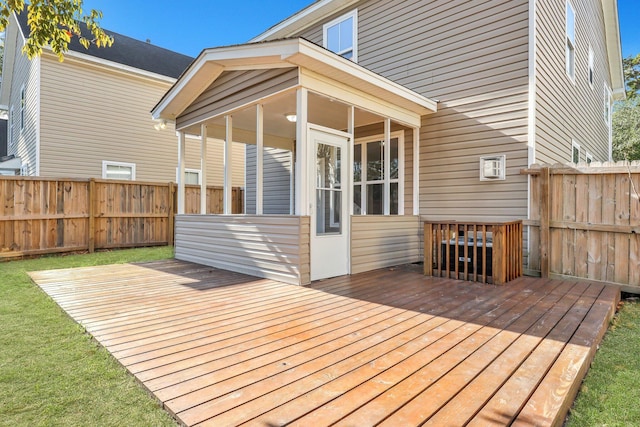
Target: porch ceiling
(325, 71)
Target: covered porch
(333, 162)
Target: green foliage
(51, 372)
(626, 130)
(55, 23)
(631, 66)
(610, 392)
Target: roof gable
(127, 51)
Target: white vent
(492, 168)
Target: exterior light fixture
(162, 124)
(291, 117)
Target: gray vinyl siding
(24, 143)
(473, 58)
(234, 89)
(91, 114)
(566, 110)
(273, 247)
(276, 181)
(382, 241)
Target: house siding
(24, 143)
(234, 89)
(277, 170)
(382, 241)
(473, 58)
(580, 106)
(272, 247)
(91, 114)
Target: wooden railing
(478, 251)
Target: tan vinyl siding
(91, 114)
(566, 110)
(234, 89)
(277, 169)
(383, 241)
(274, 247)
(473, 58)
(24, 143)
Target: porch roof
(286, 53)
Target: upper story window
(591, 66)
(341, 35)
(570, 36)
(23, 102)
(118, 170)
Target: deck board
(389, 347)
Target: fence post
(92, 215)
(545, 205)
(170, 217)
(428, 249)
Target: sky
(195, 25)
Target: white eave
(308, 16)
(283, 54)
(614, 48)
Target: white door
(329, 207)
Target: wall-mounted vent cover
(492, 168)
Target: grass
(610, 394)
(51, 372)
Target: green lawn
(51, 372)
(610, 394)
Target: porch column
(203, 169)
(228, 169)
(302, 153)
(387, 166)
(416, 171)
(259, 157)
(351, 130)
(181, 156)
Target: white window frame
(187, 170)
(23, 102)
(570, 42)
(588, 158)
(12, 119)
(575, 146)
(364, 181)
(354, 47)
(607, 106)
(591, 70)
(106, 163)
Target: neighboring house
(396, 112)
(89, 115)
(3, 137)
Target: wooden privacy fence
(479, 252)
(48, 215)
(585, 222)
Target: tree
(631, 67)
(55, 23)
(626, 114)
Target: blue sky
(195, 25)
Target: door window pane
(328, 166)
(375, 199)
(328, 212)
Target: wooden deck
(390, 347)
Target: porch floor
(389, 347)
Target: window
(575, 152)
(591, 76)
(369, 181)
(118, 170)
(341, 35)
(191, 176)
(588, 158)
(12, 120)
(607, 105)
(570, 27)
(22, 108)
